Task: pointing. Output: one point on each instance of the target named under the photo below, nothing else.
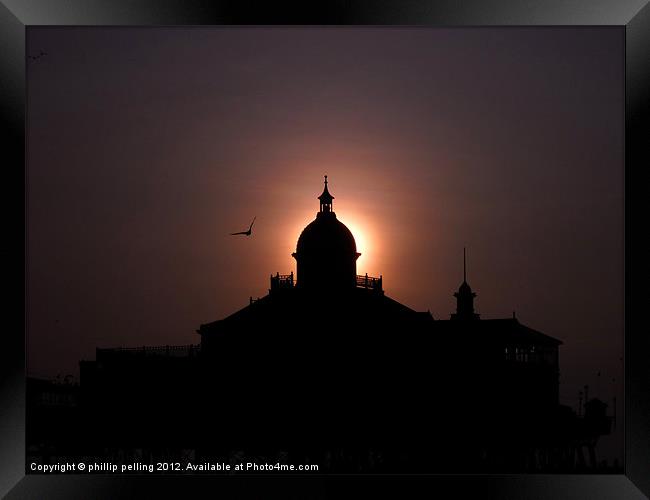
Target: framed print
(376, 246)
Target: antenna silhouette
(464, 267)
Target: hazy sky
(146, 147)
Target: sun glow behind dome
(361, 229)
(353, 206)
(363, 238)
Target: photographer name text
(165, 467)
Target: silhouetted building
(329, 369)
(361, 367)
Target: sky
(148, 146)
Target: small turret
(326, 200)
(464, 297)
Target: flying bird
(38, 56)
(247, 233)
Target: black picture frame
(631, 15)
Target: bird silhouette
(38, 56)
(247, 233)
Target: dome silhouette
(326, 252)
(328, 235)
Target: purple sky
(146, 147)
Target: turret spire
(326, 199)
(464, 267)
(464, 296)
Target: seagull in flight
(247, 233)
(38, 56)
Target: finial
(326, 180)
(464, 267)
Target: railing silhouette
(163, 350)
(369, 282)
(528, 355)
(286, 281)
(282, 281)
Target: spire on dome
(326, 199)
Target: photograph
(325, 249)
